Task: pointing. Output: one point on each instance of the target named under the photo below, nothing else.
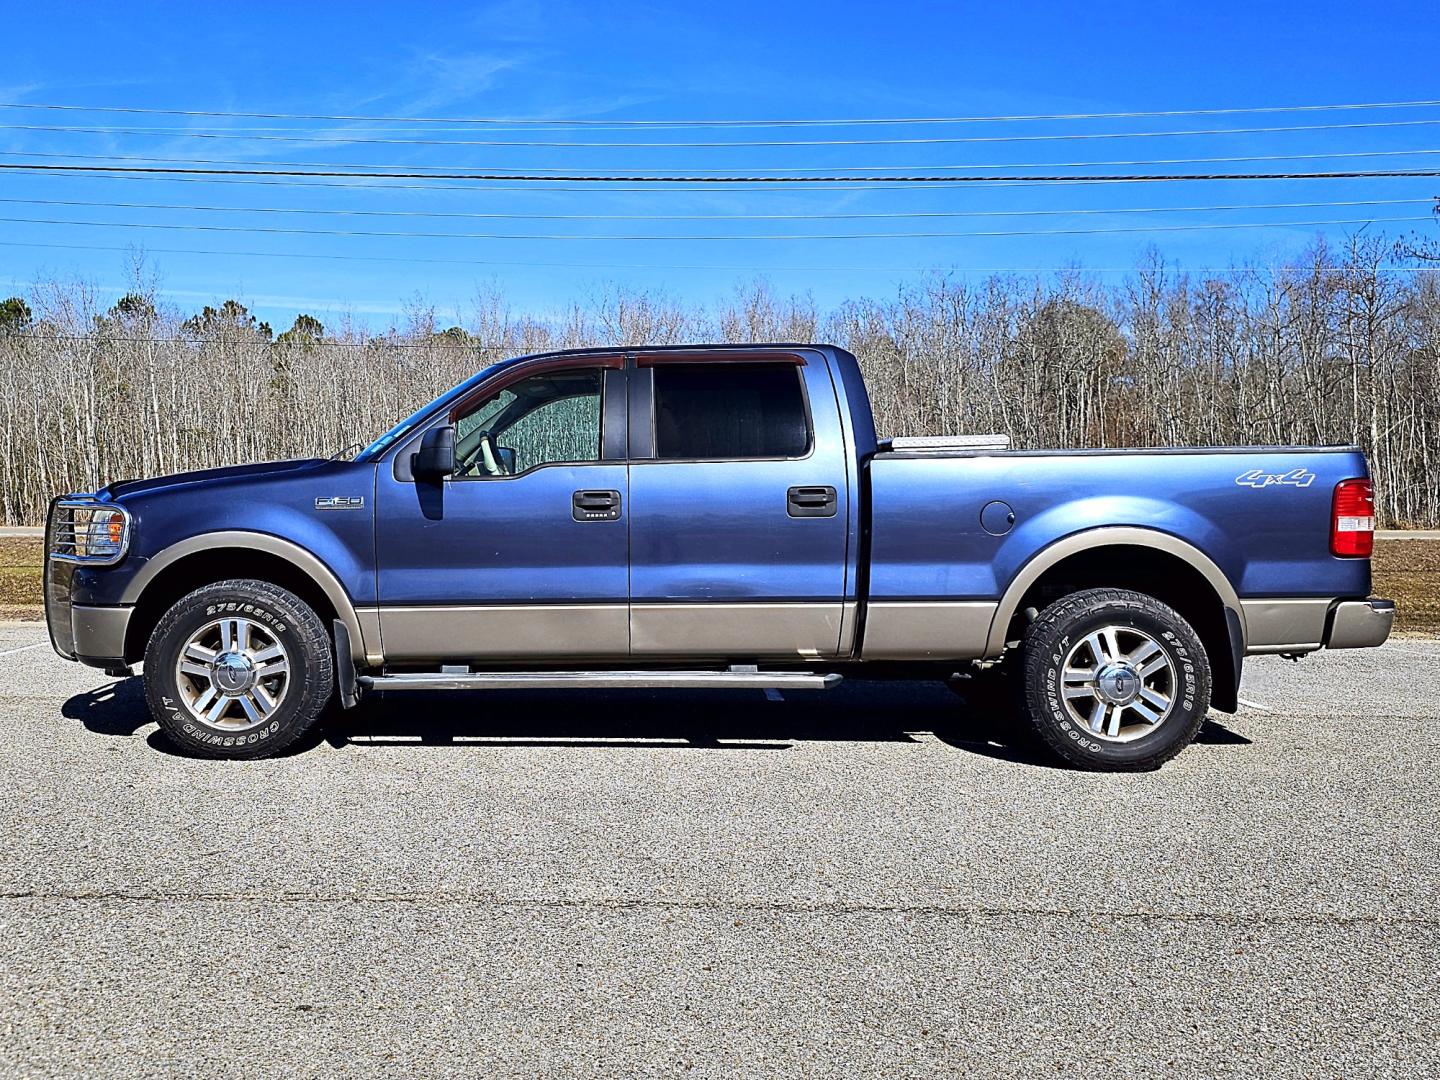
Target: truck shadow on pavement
(857, 711)
(117, 708)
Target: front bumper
(93, 635)
(100, 634)
(1360, 624)
(90, 634)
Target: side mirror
(436, 457)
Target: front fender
(293, 553)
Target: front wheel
(1114, 680)
(238, 669)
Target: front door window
(546, 419)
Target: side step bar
(608, 680)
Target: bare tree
(1338, 346)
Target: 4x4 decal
(1258, 478)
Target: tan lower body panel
(506, 632)
(927, 629)
(369, 643)
(724, 630)
(849, 618)
(893, 631)
(1285, 625)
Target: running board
(601, 680)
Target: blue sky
(736, 60)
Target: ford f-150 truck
(712, 516)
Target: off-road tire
(1048, 641)
(284, 616)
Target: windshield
(404, 427)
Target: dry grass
(20, 560)
(1406, 571)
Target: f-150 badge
(340, 502)
(1257, 478)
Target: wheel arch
(209, 557)
(1146, 560)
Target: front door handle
(811, 502)
(592, 505)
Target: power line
(741, 268)
(985, 183)
(612, 237)
(324, 185)
(692, 179)
(440, 341)
(972, 166)
(354, 139)
(858, 216)
(612, 123)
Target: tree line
(1338, 346)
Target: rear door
(739, 506)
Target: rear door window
(728, 411)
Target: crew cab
(712, 516)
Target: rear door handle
(591, 505)
(811, 502)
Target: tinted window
(545, 418)
(729, 411)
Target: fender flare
(292, 553)
(1111, 536)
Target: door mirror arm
(435, 459)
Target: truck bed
(941, 528)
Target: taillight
(1352, 519)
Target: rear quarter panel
(1269, 539)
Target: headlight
(82, 529)
(105, 538)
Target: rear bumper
(1301, 625)
(1360, 624)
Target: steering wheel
(493, 463)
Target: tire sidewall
(1051, 645)
(283, 615)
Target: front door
(522, 554)
(739, 507)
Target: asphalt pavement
(870, 881)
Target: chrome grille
(67, 532)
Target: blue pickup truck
(712, 516)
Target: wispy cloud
(19, 91)
(423, 84)
(523, 20)
(434, 81)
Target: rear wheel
(1114, 680)
(238, 669)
